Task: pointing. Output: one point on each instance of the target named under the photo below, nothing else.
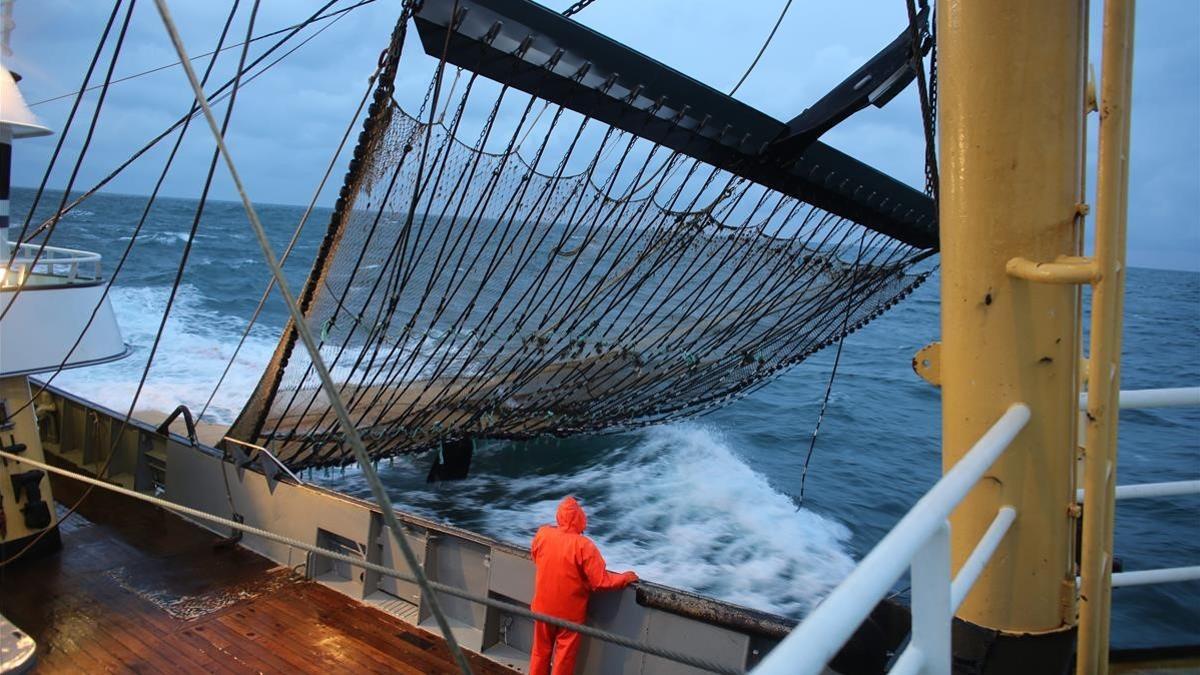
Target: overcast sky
(289, 121)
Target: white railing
(1151, 490)
(1165, 575)
(920, 542)
(58, 265)
(1140, 399)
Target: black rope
(137, 229)
(262, 301)
(928, 110)
(926, 92)
(116, 437)
(218, 50)
(812, 441)
(62, 136)
(466, 293)
(217, 96)
(253, 418)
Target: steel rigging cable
(103, 470)
(218, 50)
(218, 95)
(928, 101)
(762, 50)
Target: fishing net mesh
(547, 274)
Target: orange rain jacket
(569, 566)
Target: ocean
(710, 505)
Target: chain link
(579, 6)
(927, 91)
(931, 171)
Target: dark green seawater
(709, 505)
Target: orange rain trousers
(569, 569)
(565, 644)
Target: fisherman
(569, 569)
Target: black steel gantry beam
(536, 50)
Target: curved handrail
(65, 265)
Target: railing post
(931, 613)
(1011, 116)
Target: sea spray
(675, 503)
(196, 345)
(879, 448)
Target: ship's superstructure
(54, 314)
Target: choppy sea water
(709, 505)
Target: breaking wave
(196, 345)
(675, 503)
(683, 509)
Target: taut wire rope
(331, 390)
(512, 608)
(219, 49)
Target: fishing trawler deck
(136, 588)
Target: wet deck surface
(136, 589)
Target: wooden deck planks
(101, 605)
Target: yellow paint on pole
(1011, 114)
(1104, 363)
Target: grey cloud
(289, 121)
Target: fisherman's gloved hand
(629, 577)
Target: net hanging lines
(504, 262)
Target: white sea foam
(196, 345)
(678, 505)
(683, 509)
(169, 238)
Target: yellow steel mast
(1011, 125)
(1012, 131)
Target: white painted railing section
(56, 311)
(921, 535)
(1137, 399)
(1151, 490)
(920, 543)
(65, 264)
(1141, 399)
(1166, 575)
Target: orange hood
(570, 516)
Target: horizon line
(1196, 270)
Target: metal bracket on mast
(1064, 270)
(927, 363)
